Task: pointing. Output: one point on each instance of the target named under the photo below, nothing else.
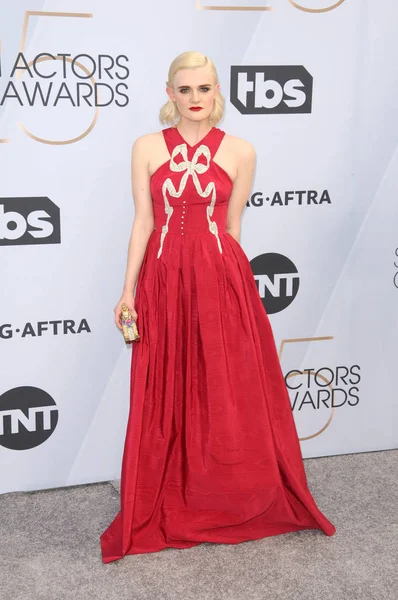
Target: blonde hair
(169, 112)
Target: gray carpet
(50, 546)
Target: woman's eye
(202, 89)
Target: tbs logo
(271, 90)
(25, 221)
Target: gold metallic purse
(129, 326)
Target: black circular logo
(28, 417)
(277, 280)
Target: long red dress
(211, 451)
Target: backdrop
(313, 86)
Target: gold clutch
(129, 326)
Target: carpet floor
(50, 550)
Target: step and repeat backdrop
(312, 85)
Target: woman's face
(194, 91)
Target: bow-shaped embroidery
(193, 168)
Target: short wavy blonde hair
(169, 112)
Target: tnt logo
(271, 90)
(277, 280)
(25, 221)
(28, 417)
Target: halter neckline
(197, 143)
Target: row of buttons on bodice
(182, 217)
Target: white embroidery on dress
(192, 168)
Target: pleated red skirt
(211, 451)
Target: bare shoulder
(242, 148)
(145, 147)
(147, 140)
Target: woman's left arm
(246, 159)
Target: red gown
(211, 451)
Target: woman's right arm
(143, 223)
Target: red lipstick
(195, 108)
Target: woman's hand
(127, 299)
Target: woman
(211, 451)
